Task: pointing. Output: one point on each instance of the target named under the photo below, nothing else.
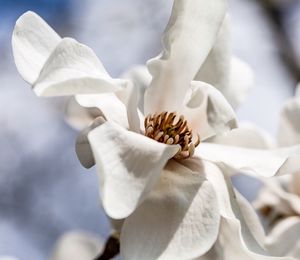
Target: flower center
(170, 129)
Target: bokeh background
(44, 191)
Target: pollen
(171, 129)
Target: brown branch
(111, 249)
(288, 54)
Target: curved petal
(128, 164)
(129, 97)
(139, 75)
(189, 37)
(240, 235)
(75, 245)
(216, 68)
(179, 219)
(73, 68)
(247, 136)
(275, 195)
(261, 163)
(33, 41)
(83, 148)
(230, 75)
(285, 230)
(80, 117)
(289, 125)
(241, 80)
(108, 104)
(234, 247)
(207, 111)
(295, 184)
(233, 206)
(251, 219)
(141, 78)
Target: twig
(111, 249)
(288, 55)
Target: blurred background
(44, 191)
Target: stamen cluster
(170, 129)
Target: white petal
(80, 117)
(129, 97)
(241, 81)
(141, 78)
(233, 206)
(261, 163)
(284, 236)
(283, 201)
(189, 37)
(246, 135)
(251, 219)
(128, 164)
(207, 112)
(33, 41)
(289, 125)
(73, 68)
(295, 184)
(75, 245)
(216, 68)
(108, 104)
(111, 108)
(139, 75)
(83, 148)
(179, 219)
(234, 247)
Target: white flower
(279, 199)
(176, 198)
(77, 246)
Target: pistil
(171, 129)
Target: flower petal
(110, 107)
(247, 135)
(108, 104)
(295, 184)
(216, 68)
(240, 235)
(33, 41)
(233, 244)
(73, 68)
(284, 237)
(141, 78)
(241, 80)
(80, 117)
(139, 75)
(128, 164)
(207, 111)
(189, 37)
(289, 125)
(129, 97)
(233, 206)
(275, 195)
(178, 220)
(261, 163)
(251, 219)
(83, 148)
(75, 245)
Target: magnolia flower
(171, 189)
(279, 199)
(77, 246)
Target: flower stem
(111, 249)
